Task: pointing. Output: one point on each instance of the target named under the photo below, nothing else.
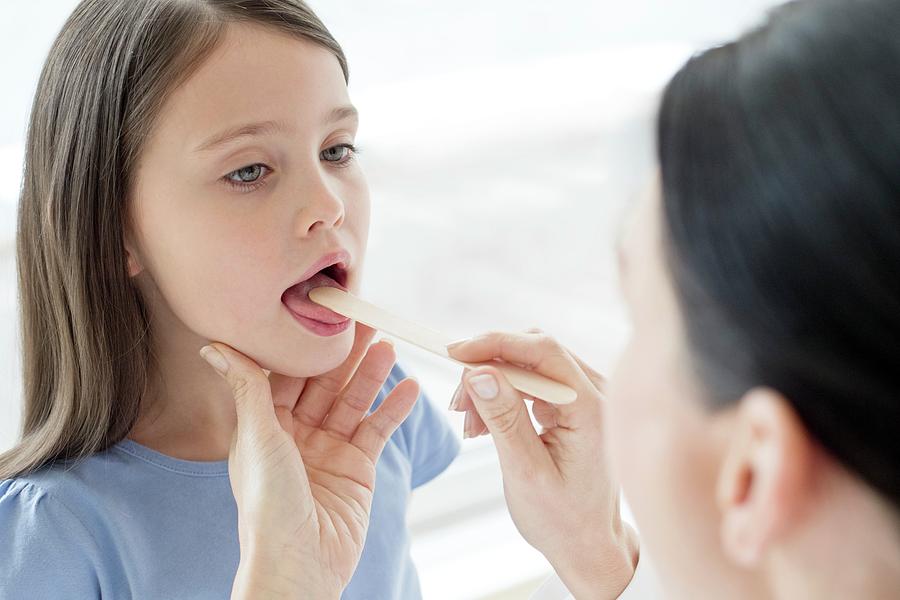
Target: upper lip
(339, 258)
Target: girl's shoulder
(44, 499)
(18, 494)
(71, 491)
(31, 491)
(40, 531)
(425, 437)
(53, 482)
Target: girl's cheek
(359, 210)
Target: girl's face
(248, 186)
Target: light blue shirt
(133, 523)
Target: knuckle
(506, 341)
(371, 378)
(547, 343)
(240, 386)
(491, 336)
(324, 384)
(246, 386)
(379, 427)
(355, 402)
(385, 424)
(550, 348)
(506, 420)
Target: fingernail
(467, 424)
(453, 345)
(215, 359)
(485, 386)
(454, 401)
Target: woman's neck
(848, 547)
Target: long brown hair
(85, 328)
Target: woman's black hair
(780, 166)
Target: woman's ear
(765, 479)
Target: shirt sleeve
(431, 444)
(46, 550)
(643, 585)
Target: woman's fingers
(540, 353)
(249, 386)
(377, 428)
(285, 389)
(321, 391)
(503, 411)
(473, 425)
(357, 397)
(545, 414)
(285, 392)
(535, 351)
(596, 378)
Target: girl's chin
(315, 357)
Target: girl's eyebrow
(241, 131)
(268, 128)
(342, 113)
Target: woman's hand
(302, 467)
(557, 484)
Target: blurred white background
(503, 140)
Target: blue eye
(247, 174)
(248, 178)
(340, 154)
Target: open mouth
(337, 273)
(330, 271)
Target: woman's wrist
(597, 573)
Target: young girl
(190, 175)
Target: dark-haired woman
(754, 416)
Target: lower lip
(320, 328)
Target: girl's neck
(189, 411)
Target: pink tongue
(297, 299)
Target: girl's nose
(322, 208)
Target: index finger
(536, 351)
(321, 391)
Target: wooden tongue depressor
(350, 306)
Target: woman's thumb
(248, 382)
(505, 414)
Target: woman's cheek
(661, 454)
(622, 425)
(642, 432)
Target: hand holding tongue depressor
(527, 382)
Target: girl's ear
(132, 259)
(765, 479)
